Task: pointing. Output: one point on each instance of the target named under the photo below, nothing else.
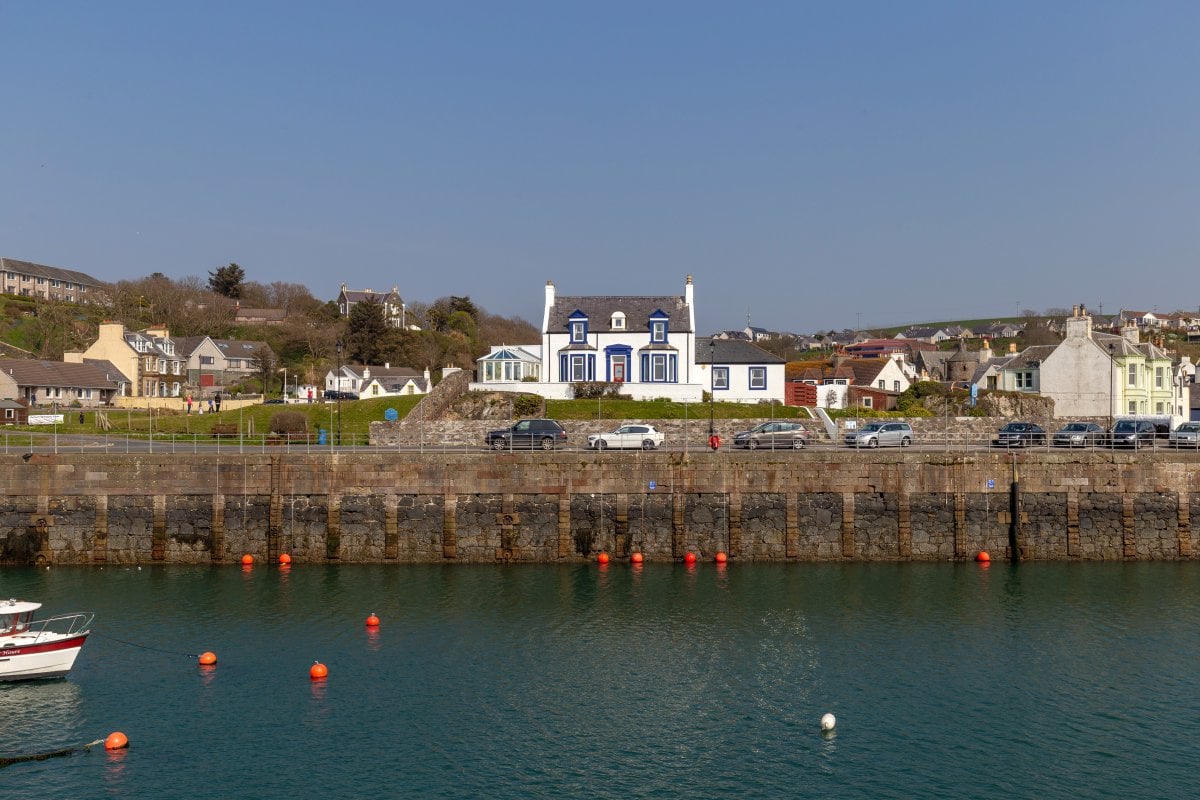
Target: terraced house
(26, 279)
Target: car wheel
(752, 444)
(499, 444)
(797, 444)
(905, 442)
(872, 443)
(648, 444)
(600, 444)
(547, 443)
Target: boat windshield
(14, 623)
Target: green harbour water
(1038, 680)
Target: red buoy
(116, 741)
(602, 558)
(284, 558)
(982, 556)
(372, 621)
(690, 558)
(318, 671)
(720, 557)
(636, 558)
(247, 560)
(208, 658)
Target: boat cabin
(15, 616)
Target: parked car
(1133, 433)
(274, 401)
(1079, 434)
(774, 436)
(644, 437)
(1186, 435)
(1020, 434)
(332, 394)
(544, 433)
(881, 434)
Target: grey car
(773, 436)
(881, 434)
(1079, 434)
(1186, 435)
(544, 433)
(1133, 433)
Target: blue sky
(815, 165)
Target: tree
(366, 329)
(227, 280)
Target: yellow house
(147, 359)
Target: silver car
(1186, 435)
(1079, 434)
(881, 434)
(773, 436)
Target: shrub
(289, 422)
(590, 390)
(527, 405)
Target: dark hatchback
(1019, 434)
(543, 433)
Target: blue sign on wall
(991, 483)
(653, 485)
(391, 415)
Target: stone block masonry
(812, 505)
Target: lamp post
(712, 385)
(284, 371)
(338, 385)
(1112, 388)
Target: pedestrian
(210, 405)
(310, 395)
(218, 402)
(189, 405)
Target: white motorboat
(44, 648)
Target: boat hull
(39, 660)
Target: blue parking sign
(653, 485)
(991, 483)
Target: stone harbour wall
(812, 505)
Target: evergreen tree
(227, 280)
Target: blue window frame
(758, 378)
(720, 378)
(577, 323)
(576, 367)
(658, 327)
(658, 367)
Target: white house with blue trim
(741, 372)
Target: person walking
(217, 400)
(189, 405)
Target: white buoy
(827, 722)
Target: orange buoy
(116, 741)
(247, 560)
(636, 558)
(284, 558)
(690, 558)
(318, 671)
(602, 558)
(208, 658)
(982, 556)
(372, 621)
(720, 557)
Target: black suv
(544, 433)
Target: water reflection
(38, 714)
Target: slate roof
(1025, 358)
(110, 369)
(42, 271)
(1124, 347)
(28, 372)
(268, 314)
(637, 310)
(733, 351)
(865, 369)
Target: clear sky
(813, 164)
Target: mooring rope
(146, 647)
(66, 751)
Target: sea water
(1037, 680)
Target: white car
(637, 437)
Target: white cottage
(645, 343)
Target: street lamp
(284, 371)
(1112, 362)
(712, 385)
(338, 385)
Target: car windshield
(1189, 427)
(874, 426)
(1125, 427)
(1076, 426)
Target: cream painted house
(147, 359)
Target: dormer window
(578, 327)
(658, 327)
(618, 321)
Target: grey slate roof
(42, 271)
(27, 372)
(1030, 354)
(108, 368)
(637, 311)
(733, 351)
